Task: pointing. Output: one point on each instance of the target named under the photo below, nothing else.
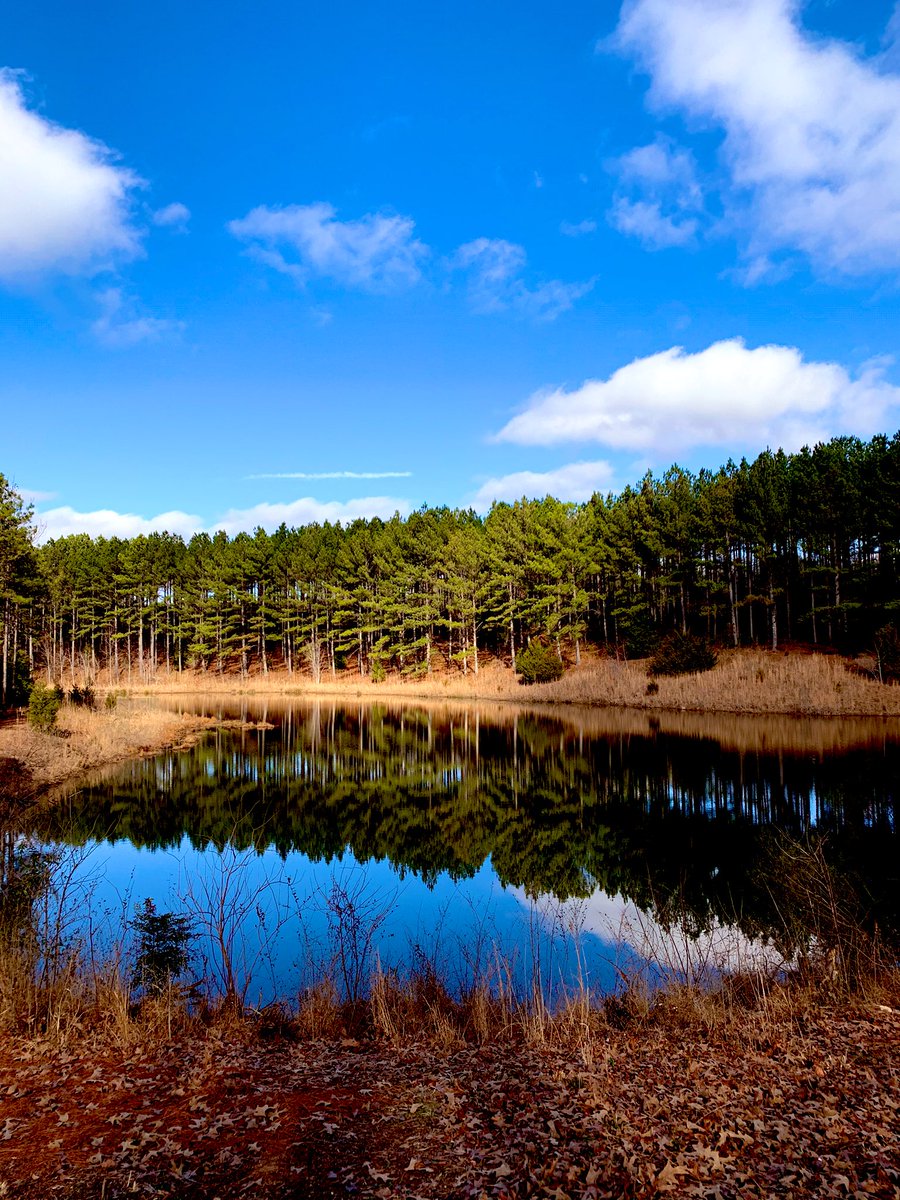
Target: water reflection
(679, 815)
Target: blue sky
(295, 262)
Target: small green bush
(638, 633)
(43, 706)
(83, 697)
(887, 653)
(682, 654)
(162, 951)
(538, 663)
(112, 699)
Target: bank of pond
(574, 848)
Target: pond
(537, 848)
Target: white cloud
(32, 496)
(725, 395)
(172, 216)
(577, 481)
(106, 522)
(120, 325)
(645, 219)
(665, 197)
(577, 228)
(308, 511)
(812, 129)
(377, 253)
(495, 268)
(333, 475)
(661, 164)
(65, 203)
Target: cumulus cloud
(172, 216)
(811, 148)
(576, 481)
(120, 324)
(65, 203)
(725, 395)
(308, 511)
(378, 252)
(106, 522)
(495, 267)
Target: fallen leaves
(808, 1115)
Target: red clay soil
(811, 1112)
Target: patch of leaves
(798, 1111)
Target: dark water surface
(561, 838)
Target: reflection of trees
(671, 823)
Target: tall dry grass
(744, 681)
(85, 738)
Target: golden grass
(744, 681)
(86, 738)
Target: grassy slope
(745, 681)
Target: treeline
(799, 547)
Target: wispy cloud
(659, 198)
(65, 203)
(577, 228)
(495, 269)
(32, 496)
(725, 395)
(172, 216)
(332, 475)
(379, 252)
(811, 156)
(121, 324)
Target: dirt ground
(808, 1109)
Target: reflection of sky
(647, 949)
(283, 921)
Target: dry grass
(745, 681)
(86, 738)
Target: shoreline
(762, 682)
(91, 739)
(745, 685)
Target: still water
(484, 840)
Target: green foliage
(162, 950)
(83, 697)
(112, 699)
(887, 652)
(19, 683)
(682, 654)
(538, 663)
(24, 881)
(799, 547)
(638, 632)
(43, 706)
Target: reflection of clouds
(672, 951)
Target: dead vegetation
(598, 1103)
(776, 1078)
(744, 681)
(86, 737)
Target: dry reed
(86, 738)
(744, 681)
